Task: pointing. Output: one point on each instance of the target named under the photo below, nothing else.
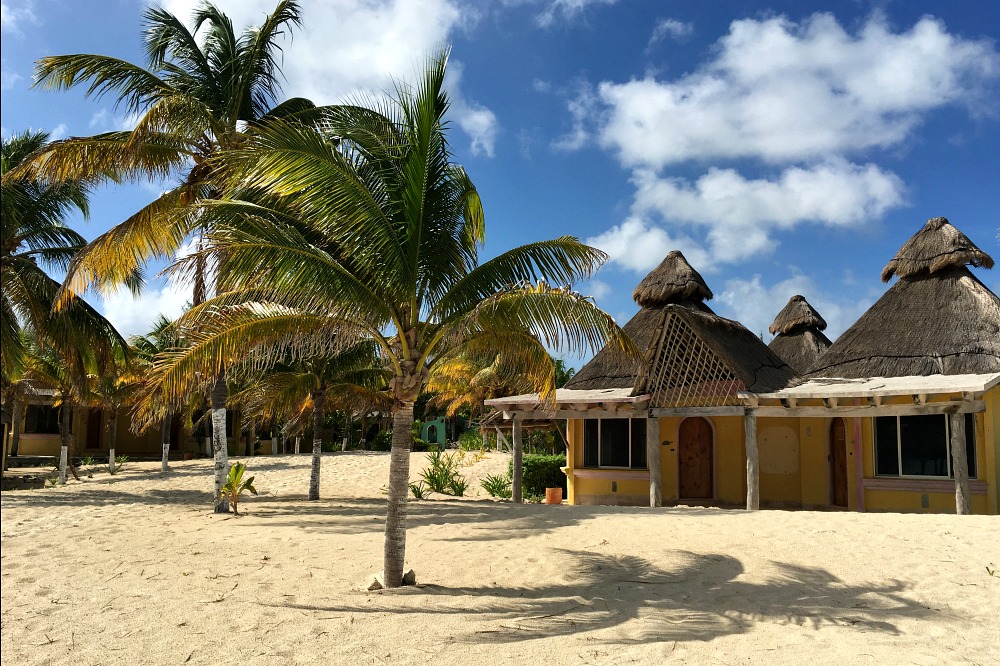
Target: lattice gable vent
(684, 372)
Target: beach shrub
(119, 463)
(443, 476)
(471, 440)
(236, 485)
(382, 441)
(541, 472)
(497, 486)
(418, 489)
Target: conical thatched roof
(938, 245)
(673, 281)
(798, 312)
(946, 322)
(799, 339)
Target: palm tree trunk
(318, 398)
(399, 486)
(15, 435)
(165, 444)
(298, 444)
(65, 416)
(112, 436)
(219, 445)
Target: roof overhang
(876, 396)
(570, 403)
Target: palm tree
(353, 379)
(34, 238)
(202, 92)
(161, 338)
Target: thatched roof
(938, 245)
(796, 313)
(801, 348)
(799, 339)
(941, 322)
(673, 281)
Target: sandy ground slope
(134, 569)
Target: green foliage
(419, 490)
(541, 472)
(236, 485)
(119, 463)
(471, 440)
(88, 461)
(382, 441)
(497, 486)
(443, 476)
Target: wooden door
(838, 462)
(694, 453)
(94, 429)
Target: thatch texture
(937, 246)
(798, 312)
(943, 322)
(673, 281)
(801, 348)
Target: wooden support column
(960, 464)
(753, 460)
(859, 464)
(653, 462)
(515, 484)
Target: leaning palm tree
(35, 239)
(367, 230)
(350, 379)
(202, 92)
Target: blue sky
(784, 147)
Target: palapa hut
(671, 426)
(909, 396)
(798, 331)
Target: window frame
(899, 449)
(600, 443)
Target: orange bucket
(553, 495)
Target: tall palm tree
(350, 379)
(370, 231)
(202, 92)
(161, 338)
(34, 239)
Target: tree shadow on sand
(628, 599)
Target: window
(41, 420)
(920, 446)
(619, 443)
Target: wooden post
(753, 460)
(653, 462)
(274, 444)
(515, 484)
(960, 464)
(859, 465)
(502, 442)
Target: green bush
(541, 472)
(497, 486)
(471, 440)
(422, 446)
(443, 476)
(382, 441)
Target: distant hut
(937, 319)
(798, 331)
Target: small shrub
(382, 441)
(471, 440)
(236, 485)
(497, 486)
(88, 461)
(422, 446)
(419, 490)
(119, 463)
(540, 472)
(443, 476)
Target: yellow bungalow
(901, 413)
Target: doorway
(694, 459)
(838, 462)
(94, 429)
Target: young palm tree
(161, 338)
(371, 232)
(201, 93)
(34, 238)
(350, 379)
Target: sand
(134, 569)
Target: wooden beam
(859, 467)
(919, 398)
(859, 410)
(960, 464)
(724, 410)
(538, 415)
(830, 403)
(753, 460)
(518, 474)
(653, 462)
(501, 438)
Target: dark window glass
(970, 443)
(229, 424)
(923, 445)
(886, 455)
(41, 420)
(638, 443)
(590, 442)
(614, 442)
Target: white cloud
(347, 46)
(581, 110)
(58, 132)
(740, 213)
(478, 122)
(567, 9)
(598, 289)
(135, 316)
(781, 91)
(13, 14)
(8, 78)
(637, 245)
(755, 304)
(672, 28)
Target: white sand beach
(135, 569)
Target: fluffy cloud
(13, 14)
(135, 316)
(671, 28)
(638, 245)
(567, 9)
(755, 304)
(347, 46)
(781, 92)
